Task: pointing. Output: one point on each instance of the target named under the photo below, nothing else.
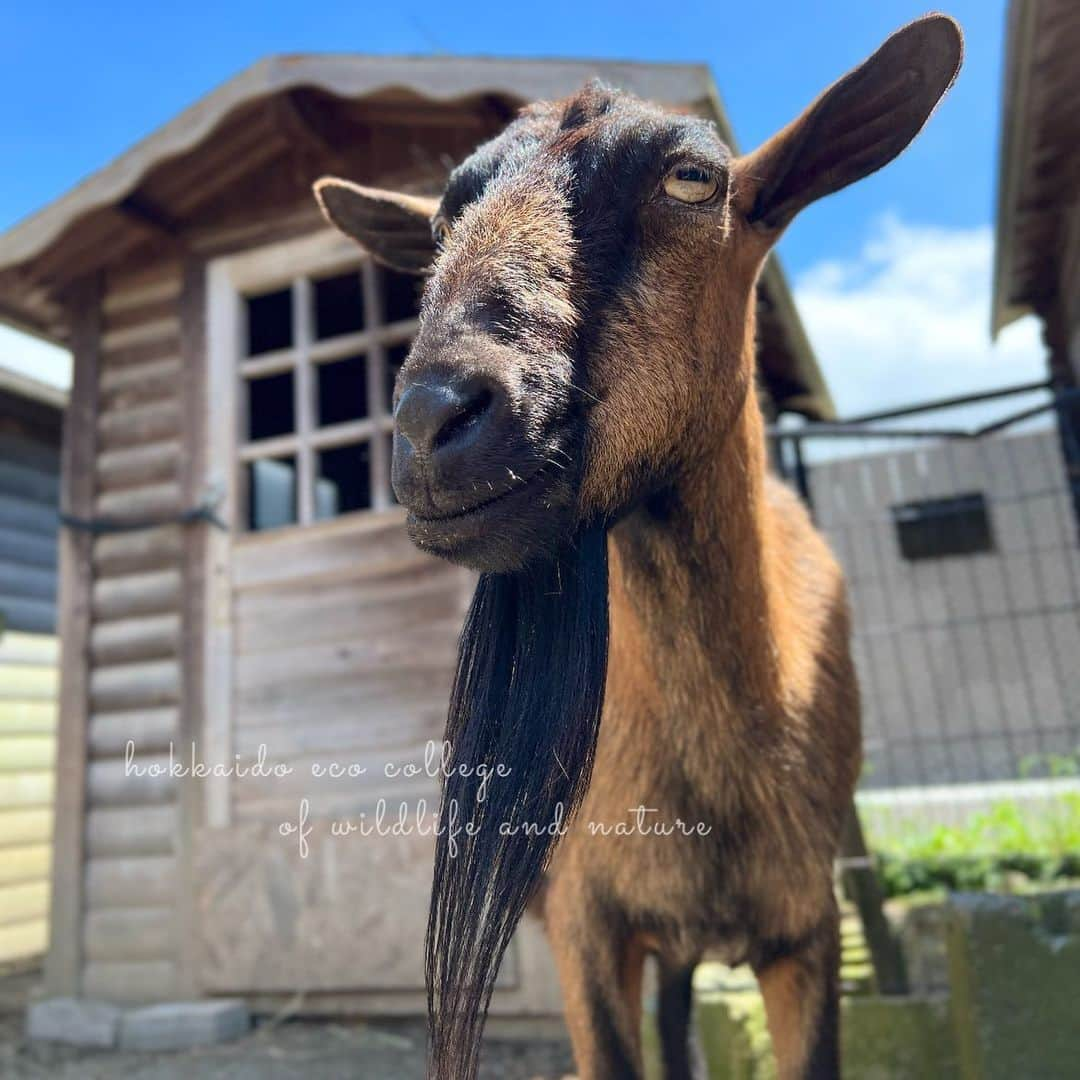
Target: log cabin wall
(130, 944)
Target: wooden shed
(1037, 255)
(31, 413)
(235, 575)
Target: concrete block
(899, 1038)
(77, 1021)
(178, 1025)
(1014, 969)
(905, 1038)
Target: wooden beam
(148, 216)
(861, 885)
(63, 970)
(193, 571)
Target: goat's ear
(856, 126)
(394, 228)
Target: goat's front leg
(800, 989)
(600, 971)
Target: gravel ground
(314, 1050)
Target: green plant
(1009, 846)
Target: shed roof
(151, 192)
(1039, 163)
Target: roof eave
(1012, 153)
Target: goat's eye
(691, 184)
(440, 230)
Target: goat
(658, 635)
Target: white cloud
(34, 357)
(908, 320)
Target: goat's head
(584, 331)
(591, 282)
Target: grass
(1008, 847)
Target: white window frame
(293, 264)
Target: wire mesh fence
(960, 547)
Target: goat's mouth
(503, 531)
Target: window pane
(401, 295)
(343, 390)
(343, 483)
(270, 406)
(339, 306)
(271, 493)
(395, 357)
(269, 322)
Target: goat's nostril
(434, 414)
(471, 414)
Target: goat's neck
(694, 580)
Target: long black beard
(527, 695)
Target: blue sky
(80, 83)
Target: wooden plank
(305, 614)
(398, 722)
(141, 286)
(33, 752)
(27, 717)
(137, 552)
(154, 422)
(147, 684)
(130, 983)
(138, 466)
(147, 501)
(157, 310)
(138, 384)
(32, 549)
(193, 483)
(428, 646)
(861, 884)
(113, 832)
(28, 515)
(33, 616)
(223, 329)
(27, 902)
(140, 334)
(25, 683)
(27, 789)
(151, 730)
(325, 789)
(23, 940)
(146, 782)
(349, 916)
(112, 883)
(145, 353)
(137, 594)
(76, 583)
(363, 546)
(23, 864)
(16, 648)
(29, 582)
(27, 482)
(145, 637)
(21, 827)
(381, 690)
(129, 933)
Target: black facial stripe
(610, 153)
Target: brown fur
(731, 697)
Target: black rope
(100, 525)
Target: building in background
(235, 571)
(1037, 255)
(31, 417)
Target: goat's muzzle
(478, 491)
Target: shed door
(330, 639)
